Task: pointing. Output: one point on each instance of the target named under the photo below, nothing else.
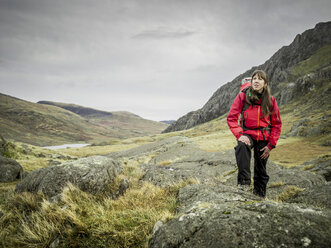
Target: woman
(259, 128)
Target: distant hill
(44, 124)
(82, 111)
(302, 68)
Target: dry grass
(308, 167)
(212, 136)
(288, 193)
(164, 163)
(97, 150)
(33, 157)
(119, 145)
(167, 162)
(32, 163)
(292, 152)
(220, 141)
(80, 219)
(275, 184)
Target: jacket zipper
(258, 122)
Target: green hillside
(43, 125)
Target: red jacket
(253, 120)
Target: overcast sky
(156, 58)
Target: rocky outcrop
(305, 84)
(10, 170)
(92, 174)
(277, 67)
(220, 216)
(177, 159)
(214, 213)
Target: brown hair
(252, 96)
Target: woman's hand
(266, 152)
(245, 139)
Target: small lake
(65, 146)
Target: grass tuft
(288, 193)
(308, 167)
(164, 163)
(275, 184)
(79, 219)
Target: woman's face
(258, 83)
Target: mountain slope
(42, 124)
(82, 111)
(124, 124)
(288, 69)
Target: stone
(192, 163)
(318, 196)
(157, 226)
(55, 243)
(320, 166)
(300, 128)
(10, 170)
(220, 216)
(93, 175)
(52, 162)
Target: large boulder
(10, 170)
(185, 160)
(221, 216)
(92, 174)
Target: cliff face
(284, 80)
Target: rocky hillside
(168, 121)
(42, 124)
(294, 71)
(213, 213)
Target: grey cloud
(159, 53)
(164, 33)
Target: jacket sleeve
(276, 125)
(234, 113)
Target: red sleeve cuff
(239, 134)
(270, 146)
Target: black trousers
(243, 157)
